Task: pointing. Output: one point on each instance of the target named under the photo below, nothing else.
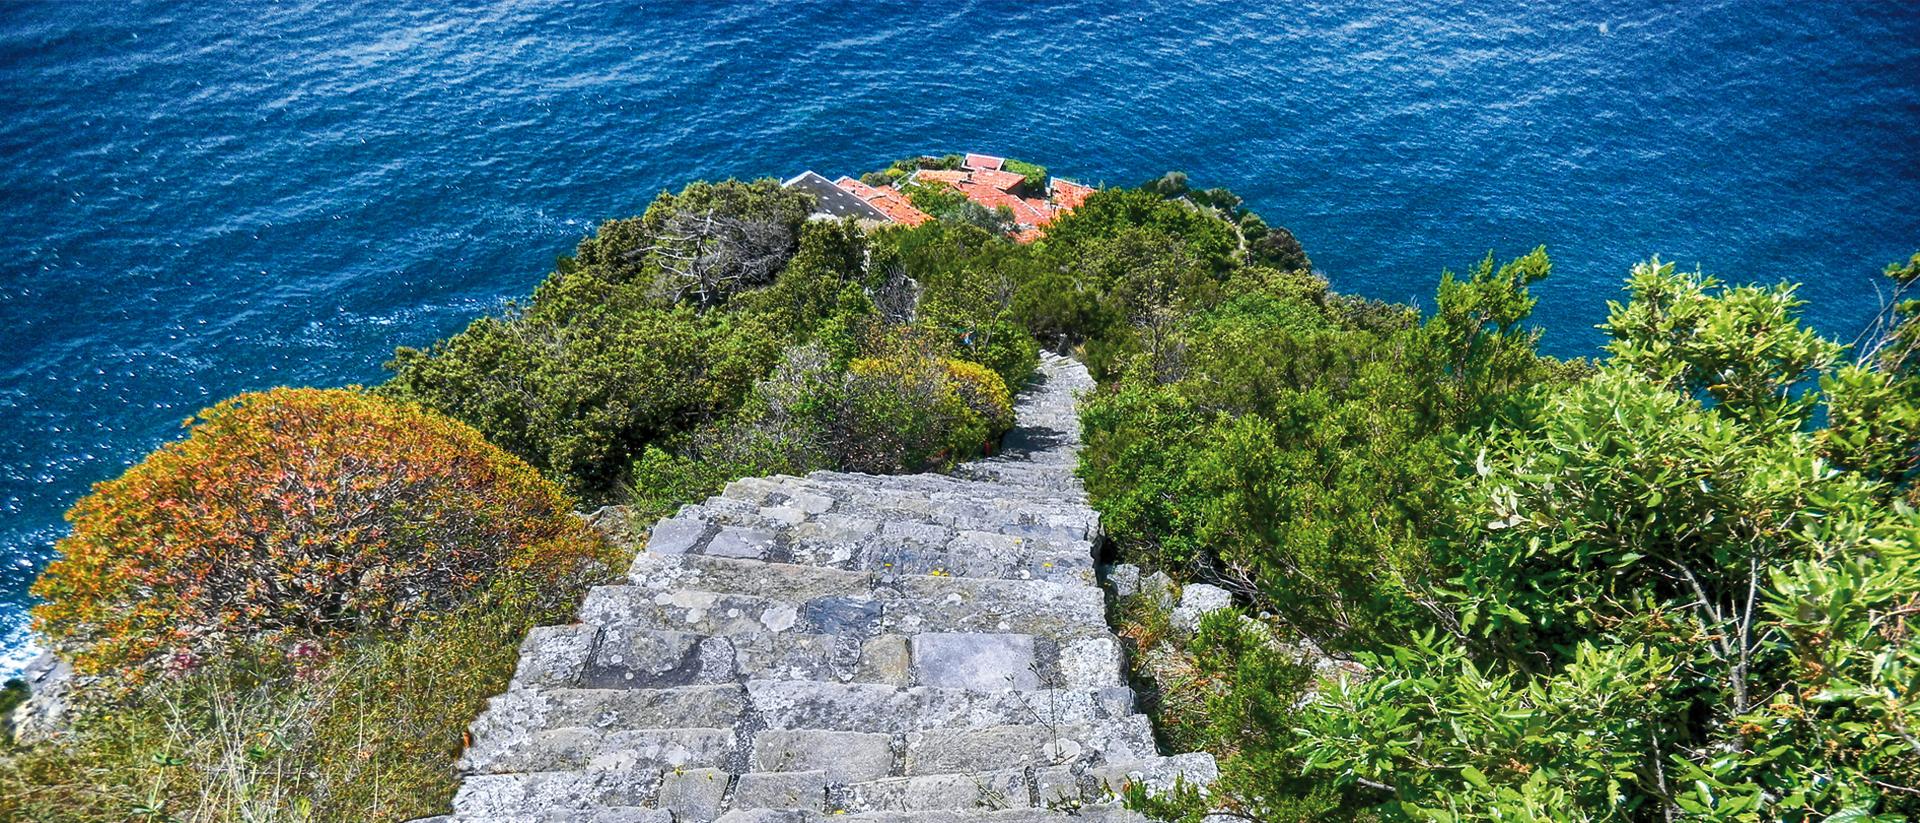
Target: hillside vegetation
(1470, 582)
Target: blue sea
(202, 199)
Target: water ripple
(195, 204)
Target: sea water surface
(202, 199)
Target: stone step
(845, 756)
(1045, 787)
(786, 704)
(612, 814)
(704, 794)
(1106, 813)
(938, 494)
(909, 604)
(579, 748)
(626, 658)
(967, 505)
(559, 791)
(620, 656)
(923, 648)
(519, 711)
(990, 748)
(727, 575)
(1066, 524)
(850, 544)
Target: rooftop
(983, 178)
(834, 201)
(889, 200)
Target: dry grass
(370, 735)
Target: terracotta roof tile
(1043, 210)
(889, 201)
(1002, 180)
(983, 161)
(993, 198)
(1070, 195)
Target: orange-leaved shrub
(294, 516)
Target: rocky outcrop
(43, 715)
(910, 648)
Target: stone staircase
(921, 648)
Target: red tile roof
(1023, 212)
(1002, 180)
(983, 161)
(986, 182)
(1044, 209)
(888, 200)
(1069, 195)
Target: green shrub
(1033, 176)
(903, 412)
(579, 393)
(894, 405)
(598, 367)
(983, 393)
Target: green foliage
(12, 694)
(1294, 454)
(733, 234)
(1273, 245)
(579, 392)
(598, 367)
(1108, 212)
(949, 205)
(1873, 406)
(1261, 245)
(1474, 344)
(1257, 683)
(1033, 176)
(1657, 597)
(1434, 736)
(895, 404)
(1741, 346)
(969, 282)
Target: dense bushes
(1632, 592)
(603, 362)
(897, 405)
(295, 514)
(1669, 584)
(1032, 175)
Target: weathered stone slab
(986, 791)
(843, 756)
(986, 662)
(695, 794)
(554, 655)
(743, 542)
(678, 535)
(781, 790)
(1196, 601)
(492, 794)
